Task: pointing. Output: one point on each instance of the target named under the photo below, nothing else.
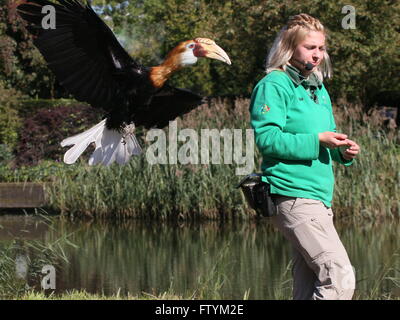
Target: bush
(9, 119)
(365, 59)
(28, 107)
(42, 133)
(21, 64)
(6, 154)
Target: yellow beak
(212, 50)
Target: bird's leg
(127, 130)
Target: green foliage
(44, 171)
(365, 59)
(28, 107)
(368, 189)
(33, 255)
(21, 65)
(5, 155)
(9, 119)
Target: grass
(83, 295)
(21, 263)
(209, 292)
(369, 189)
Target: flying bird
(92, 65)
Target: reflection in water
(214, 260)
(138, 257)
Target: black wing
(165, 106)
(84, 54)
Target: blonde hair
(295, 31)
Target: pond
(212, 260)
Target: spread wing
(83, 52)
(166, 105)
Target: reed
(21, 263)
(369, 189)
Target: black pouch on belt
(258, 195)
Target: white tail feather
(111, 145)
(81, 136)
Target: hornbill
(91, 64)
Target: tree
(365, 59)
(21, 65)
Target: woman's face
(310, 50)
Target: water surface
(214, 260)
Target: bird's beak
(209, 49)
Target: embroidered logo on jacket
(265, 109)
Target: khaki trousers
(321, 267)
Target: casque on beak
(209, 49)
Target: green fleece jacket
(287, 113)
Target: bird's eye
(191, 46)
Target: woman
(291, 114)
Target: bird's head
(188, 52)
(185, 54)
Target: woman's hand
(351, 152)
(333, 140)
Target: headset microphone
(308, 65)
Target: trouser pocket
(308, 225)
(312, 238)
